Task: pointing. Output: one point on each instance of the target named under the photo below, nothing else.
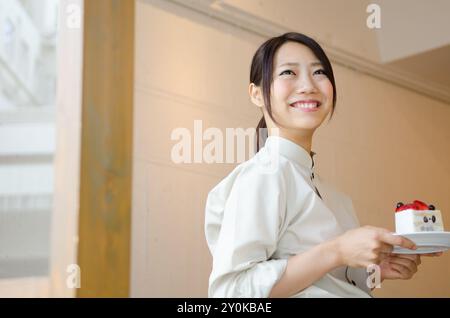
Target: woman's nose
(305, 85)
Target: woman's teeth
(305, 105)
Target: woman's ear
(256, 95)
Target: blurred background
(91, 202)
(27, 134)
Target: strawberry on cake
(417, 217)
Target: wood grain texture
(106, 150)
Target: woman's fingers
(433, 254)
(386, 248)
(406, 266)
(427, 254)
(393, 273)
(383, 256)
(408, 263)
(412, 257)
(397, 240)
(403, 271)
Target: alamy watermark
(73, 280)
(374, 278)
(374, 19)
(231, 147)
(73, 16)
(213, 145)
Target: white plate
(427, 242)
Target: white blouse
(268, 209)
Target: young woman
(284, 232)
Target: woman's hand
(399, 266)
(368, 245)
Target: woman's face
(299, 83)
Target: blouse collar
(291, 150)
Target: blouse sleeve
(253, 216)
(357, 276)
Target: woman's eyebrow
(318, 63)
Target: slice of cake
(417, 217)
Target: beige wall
(332, 22)
(384, 144)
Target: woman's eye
(287, 72)
(320, 72)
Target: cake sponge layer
(412, 221)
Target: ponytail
(261, 139)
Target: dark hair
(262, 69)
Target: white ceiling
(415, 38)
(412, 27)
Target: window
(28, 31)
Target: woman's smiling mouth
(306, 105)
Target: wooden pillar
(106, 148)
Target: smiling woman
(287, 232)
(275, 66)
